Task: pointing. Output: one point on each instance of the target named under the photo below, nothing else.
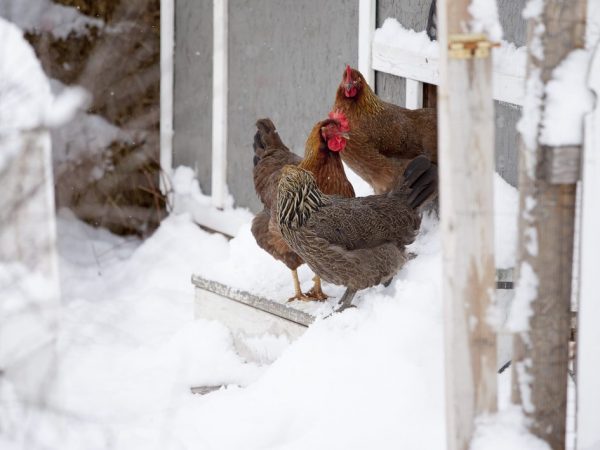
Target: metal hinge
(467, 46)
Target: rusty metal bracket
(468, 46)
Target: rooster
(355, 242)
(322, 158)
(384, 137)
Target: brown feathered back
(355, 242)
(270, 156)
(383, 137)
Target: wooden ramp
(247, 315)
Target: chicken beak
(345, 135)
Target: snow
(510, 425)
(129, 349)
(392, 33)
(525, 293)
(47, 16)
(531, 117)
(27, 100)
(508, 59)
(188, 197)
(568, 99)
(593, 24)
(24, 88)
(485, 19)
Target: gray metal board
(286, 59)
(192, 102)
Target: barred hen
(355, 242)
(322, 158)
(384, 137)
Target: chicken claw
(298, 292)
(315, 292)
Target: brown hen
(322, 158)
(355, 242)
(384, 137)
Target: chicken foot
(298, 292)
(316, 293)
(346, 300)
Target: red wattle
(336, 143)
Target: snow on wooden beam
(507, 87)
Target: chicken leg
(316, 293)
(298, 292)
(346, 300)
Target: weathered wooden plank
(466, 134)
(247, 315)
(546, 229)
(257, 302)
(507, 87)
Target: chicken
(322, 158)
(384, 137)
(355, 242)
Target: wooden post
(28, 240)
(466, 152)
(546, 228)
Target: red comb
(348, 74)
(340, 117)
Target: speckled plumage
(384, 137)
(271, 155)
(355, 242)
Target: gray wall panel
(508, 115)
(192, 108)
(286, 59)
(411, 14)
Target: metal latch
(467, 46)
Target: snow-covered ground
(129, 349)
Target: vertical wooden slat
(588, 336)
(167, 43)
(546, 228)
(466, 152)
(366, 28)
(220, 85)
(414, 94)
(28, 240)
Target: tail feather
(266, 138)
(420, 181)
